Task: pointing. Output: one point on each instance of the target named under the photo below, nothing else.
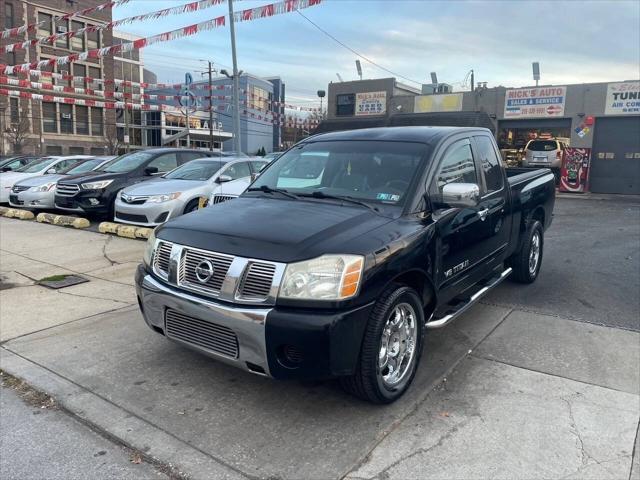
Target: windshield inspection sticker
(388, 196)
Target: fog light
(94, 201)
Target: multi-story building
(47, 127)
(258, 129)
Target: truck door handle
(483, 214)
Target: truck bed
(517, 175)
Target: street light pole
(210, 108)
(236, 82)
(2, 110)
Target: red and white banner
(15, 31)
(51, 39)
(287, 6)
(124, 47)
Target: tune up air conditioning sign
(536, 102)
(623, 99)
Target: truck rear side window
(489, 163)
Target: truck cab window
(490, 165)
(457, 166)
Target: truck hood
(40, 180)
(280, 230)
(159, 186)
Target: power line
(353, 51)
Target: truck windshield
(375, 171)
(126, 162)
(200, 170)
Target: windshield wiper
(268, 189)
(345, 198)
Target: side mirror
(461, 195)
(51, 170)
(151, 170)
(223, 179)
(6, 169)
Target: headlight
(44, 188)
(147, 256)
(329, 277)
(163, 198)
(97, 185)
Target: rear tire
(527, 261)
(373, 379)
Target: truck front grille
(193, 259)
(256, 281)
(162, 258)
(67, 189)
(209, 336)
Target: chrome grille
(257, 280)
(192, 258)
(209, 336)
(162, 257)
(19, 188)
(67, 190)
(222, 198)
(133, 200)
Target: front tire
(527, 261)
(391, 347)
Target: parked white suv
(544, 153)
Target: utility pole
(210, 108)
(472, 81)
(236, 82)
(126, 113)
(2, 110)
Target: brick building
(55, 128)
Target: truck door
(493, 207)
(461, 231)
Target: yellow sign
(447, 102)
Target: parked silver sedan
(179, 191)
(38, 192)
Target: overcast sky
(574, 41)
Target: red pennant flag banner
(287, 6)
(50, 40)
(16, 31)
(124, 47)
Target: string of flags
(287, 6)
(16, 31)
(51, 39)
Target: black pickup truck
(344, 251)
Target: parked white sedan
(43, 166)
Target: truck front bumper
(277, 342)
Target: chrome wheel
(534, 253)
(397, 345)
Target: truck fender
(421, 283)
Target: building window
(54, 150)
(345, 104)
(97, 127)
(62, 26)
(9, 21)
(94, 72)
(76, 150)
(77, 42)
(258, 98)
(82, 120)
(49, 117)
(66, 118)
(79, 71)
(93, 40)
(14, 108)
(11, 60)
(45, 25)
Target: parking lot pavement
(46, 443)
(518, 393)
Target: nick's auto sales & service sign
(541, 102)
(623, 99)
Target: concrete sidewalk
(501, 393)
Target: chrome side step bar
(441, 322)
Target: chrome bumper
(248, 324)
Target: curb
(126, 231)
(63, 220)
(16, 213)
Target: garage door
(615, 159)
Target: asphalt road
(591, 266)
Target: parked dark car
(404, 229)
(13, 163)
(95, 192)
